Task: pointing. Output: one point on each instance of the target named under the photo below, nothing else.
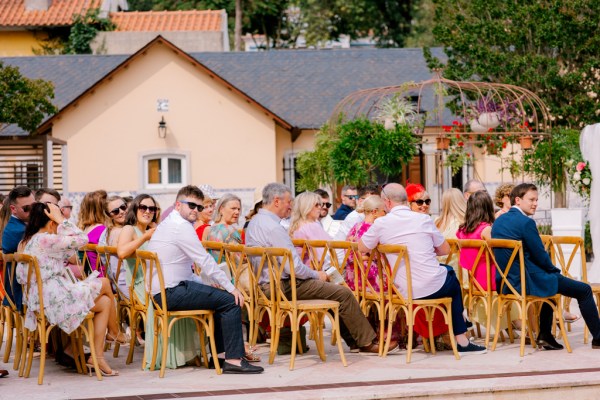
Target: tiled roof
(160, 21)
(60, 13)
(302, 87)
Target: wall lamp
(162, 128)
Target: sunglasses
(151, 209)
(116, 211)
(71, 207)
(27, 208)
(420, 202)
(192, 205)
(352, 196)
(326, 205)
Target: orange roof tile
(60, 13)
(160, 21)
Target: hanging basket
(442, 143)
(526, 142)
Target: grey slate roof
(300, 86)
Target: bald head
(395, 193)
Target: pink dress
(354, 236)
(467, 257)
(311, 231)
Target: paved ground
(495, 375)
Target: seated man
(349, 198)
(264, 230)
(430, 280)
(542, 278)
(178, 247)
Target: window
(164, 171)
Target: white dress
(589, 144)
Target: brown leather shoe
(3, 373)
(373, 348)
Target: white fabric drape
(589, 143)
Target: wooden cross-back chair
(44, 328)
(12, 317)
(340, 252)
(164, 319)
(508, 294)
(280, 261)
(241, 273)
(397, 302)
(317, 253)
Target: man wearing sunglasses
(330, 226)
(349, 198)
(20, 200)
(178, 247)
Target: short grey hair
(348, 187)
(395, 192)
(273, 190)
(470, 183)
(226, 198)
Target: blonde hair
(91, 211)
(303, 205)
(226, 198)
(454, 206)
(372, 203)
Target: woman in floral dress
(52, 239)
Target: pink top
(467, 257)
(311, 231)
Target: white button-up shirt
(178, 247)
(418, 233)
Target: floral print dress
(66, 304)
(354, 236)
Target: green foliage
(355, 152)
(84, 30)
(549, 160)
(549, 47)
(23, 101)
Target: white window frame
(164, 155)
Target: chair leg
(410, 321)
(563, 332)
(274, 339)
(213, 346)
(336, 323)
(43, 346)
(497, 329)
(9, 333)
(165, 346)
(294, 326)
(23, 351)
(133, 328)
(451, 331)
(89, 331)
(19, 344)
(29, 357)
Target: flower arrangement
(457, 154)
(581, 179)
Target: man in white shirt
(430, 280)
(178, 247)
(329, 224)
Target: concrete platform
(496, 375)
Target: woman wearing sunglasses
(115, 209)
(418, 198)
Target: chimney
(37, 5)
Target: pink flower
(580, 166)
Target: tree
(549, 47)
(355, 153)
(23, 101)
(84, 30)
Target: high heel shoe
(91, 369)
(121, 338)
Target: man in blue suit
(542, 278)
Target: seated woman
(204, 217)
(52, 239)
(226, 215)
(479, 218)
(451, 217)
(304, 223)
(502, 198)
(418, 198)
(115, 209)
(373, 208)
(92, 221)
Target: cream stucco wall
(19, 43)
(230, 142)
(285, 146)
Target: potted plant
(396, 110)
(526, 142)
(485, 114)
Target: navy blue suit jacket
(541, 276)
(342, 213)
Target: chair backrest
(9, 259)
(257, 261)
(146, 260)
(546, 241)
(33, 278)
(113, 273)
(483, 254)
(236, 261)
(303, 248)
(566, 250)
(454, 251)
(279, 259)
(399, 254)
(215, 248)
(314, 247)
(514, 249)
(86, 265)
(344, 250)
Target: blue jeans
(190, 295)
(583, 293)
(451, 288)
